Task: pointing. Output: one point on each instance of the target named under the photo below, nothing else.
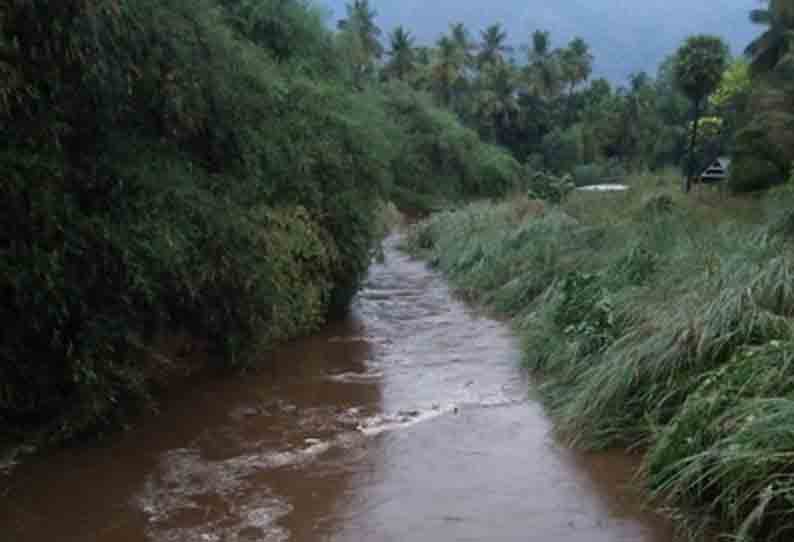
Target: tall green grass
(657, 323)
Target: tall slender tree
(402, 56)
(542, 71)
(461, 37)
(447, 69)
(577, 63)
(361, 19)
(493, 46)
(496, 99)
(698, 69)
(364, 38)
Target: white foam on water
(176, 501)
(191, 498)
(403, 419)
(353, 378)
(255, 525)
(495, 402)
(282, 458)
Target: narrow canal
(409, 422)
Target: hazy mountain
(626, 36)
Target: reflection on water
(410, 421)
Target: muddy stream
(410, 421)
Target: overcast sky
(626, 35)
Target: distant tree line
(542, 104)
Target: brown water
(411, 421)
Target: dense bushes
(437, 158)
(204, 167)
(750, 173)
(162, 174)
(758, 163)
(599, 173)
(763, 146)
(655, 326)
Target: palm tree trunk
(693, 142)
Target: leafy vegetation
(763, 150)
(209, 167)
(222, 169)
(539, 102)
(655, 322)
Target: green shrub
(549, 187)
(750, 173)
(438, 159)
(587, 174)
(562, 149)
(598, 173)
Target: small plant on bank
(545, 186)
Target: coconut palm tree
(447, 69)
(361, 20)
(460, 35)
(577, 63)
(699, 66)
(541, 43)
(492, 47)
(402, 56)
(496, 99)
(360, 41)
(542, 72)
(769, 48)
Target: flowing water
(410, 421)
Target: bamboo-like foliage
(213, 167)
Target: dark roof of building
(717, 170)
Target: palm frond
(761, 16)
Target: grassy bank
(655, 323)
